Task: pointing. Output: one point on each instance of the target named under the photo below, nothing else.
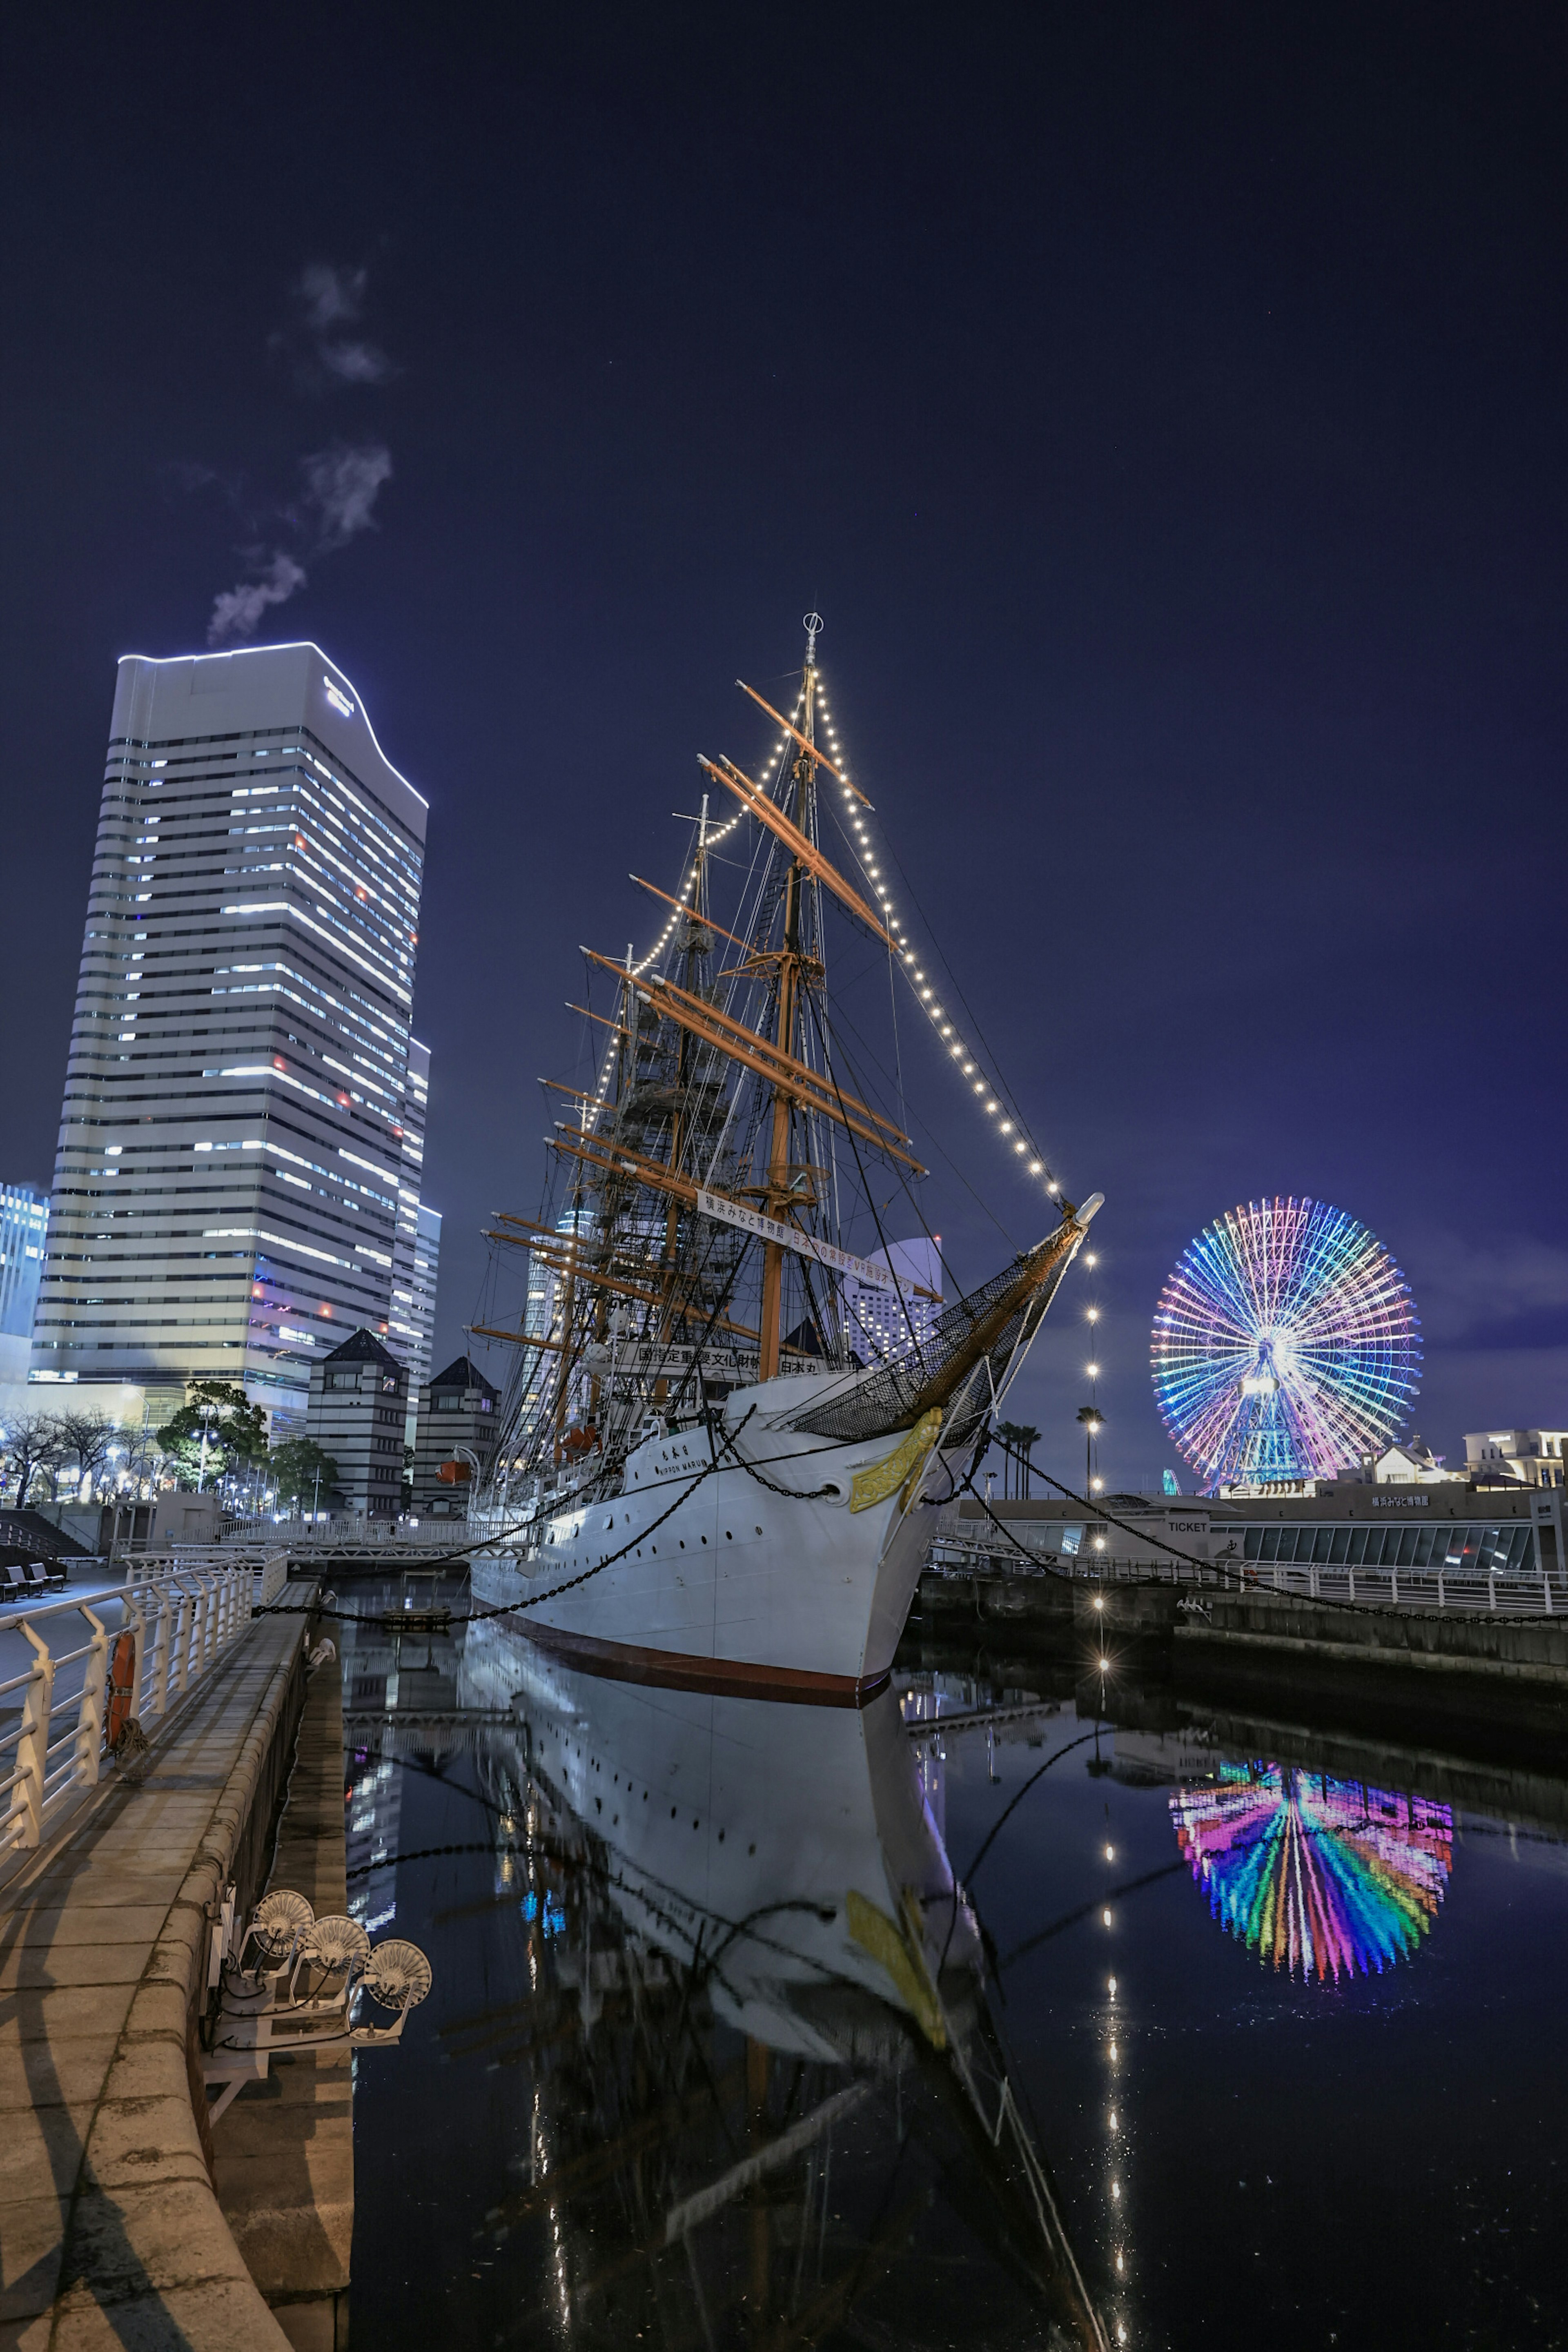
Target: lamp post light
(1092, 1423)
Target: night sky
(1162, 405)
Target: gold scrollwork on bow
(880, 1479)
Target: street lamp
(1092, 1423)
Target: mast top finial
(812, 625)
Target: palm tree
(1088, 1416)
(1019, 1441)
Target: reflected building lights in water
(374, 1802)
(1328, 1878)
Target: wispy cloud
(354, 362)
(341, 483)
(328, 298)
(342, 486)
(237, 612)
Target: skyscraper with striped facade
(241, 1123)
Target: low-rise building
(358, 1400)
(458, 1420)
(1533, 1456)
(1469, 1528)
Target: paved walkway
(109, 2232)
(284, 2150)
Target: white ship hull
(723, 1580)
(720, 1810)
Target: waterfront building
(1410, 1463)
(458, 1420)
(358, 1399)
(236, 1132)
(24, 1226)
(883, 1325)
(1471, 1529)
(1533, 1456)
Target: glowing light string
(1286, 1345)
(1324, 1878)
(1006, 1125)
(967, 1062)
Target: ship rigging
(720, 1214)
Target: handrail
(180, 1626)
(1524, 1592)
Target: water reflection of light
(1328, 1877)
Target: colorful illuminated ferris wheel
(1285, 1346)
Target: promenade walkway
(109, 2231)
(284, 2151)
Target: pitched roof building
(358, 1398)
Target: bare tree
(32, 1443)
(85, 1438)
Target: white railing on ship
(1526, 1592)
(180, 1625)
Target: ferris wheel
(1286, 1345)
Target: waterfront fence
(1524, 1592)
(52, 1740)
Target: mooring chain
(391, 1617)
(1232, 1579)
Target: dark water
(717, 2055)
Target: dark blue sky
(1164, 407)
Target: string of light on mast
(965, 1059)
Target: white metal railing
(52, 1746)
(1527, 1592)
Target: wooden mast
(792, 980)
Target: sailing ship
(707, 1472)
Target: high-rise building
(883, 1325)
(417, 1249)
(238, 1101)
(24, 1223)
(539, 1321)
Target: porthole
(728, 1535)
(683, 1543)
(759, 1531)
(704, 1538)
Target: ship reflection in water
(766, 2058)
(721, 2053)
(1323, 1877)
